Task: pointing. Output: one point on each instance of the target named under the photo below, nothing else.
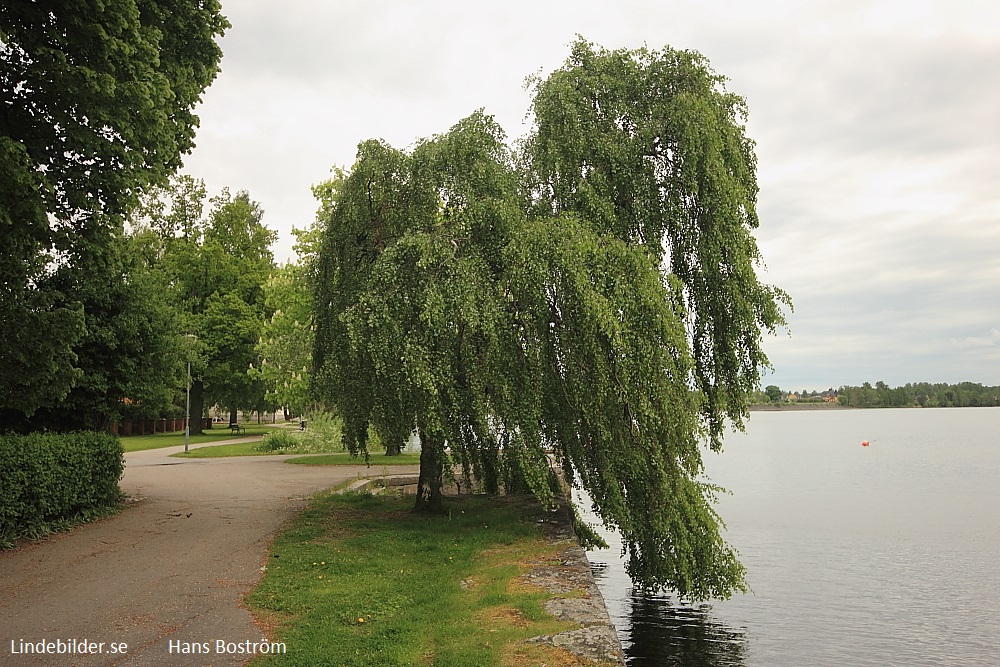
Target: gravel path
(167, 573)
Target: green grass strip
(337, 459)
(136, 443)
(222, 451)
(344, 459)
(359, 581)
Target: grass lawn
(359, 581)
(218, 451)
(135, 443)
(345, 459)
(336, 459)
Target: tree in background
(212, 270)
(128, 355)
(96, 103)
(287, 339)
(773, 393)
(594, 297)
(236, 261)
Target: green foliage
(591, 301)
(919, 394)
(40, 328)
(97, 104)
(322, 434)
(649, 147)
(586, 535)
(286, 340)
(127, 353)
(211, 271)
(773, 393)
(228, 330)
(51, 480)
(275, 441)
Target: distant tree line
(919, 394)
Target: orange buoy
(864, 443)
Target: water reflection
(659, 630)
(662, 631)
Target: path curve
(173, 567)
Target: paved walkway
(171, 568)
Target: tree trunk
(233, 416)
(197, 405)
(394, 449)
(431, 475)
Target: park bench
(237, 429)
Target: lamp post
(187, 415)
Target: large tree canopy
(96, 102)
(649, 146)
(128, 357)
(591, 302)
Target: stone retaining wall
(577, 597)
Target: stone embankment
(577, 598)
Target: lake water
(879, 555)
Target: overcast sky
(877, 127)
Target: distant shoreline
(798, 407)
(791, 407)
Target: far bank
(790, 407)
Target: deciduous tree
(128, 354)
(598, 309)
(286, 339)
(212, 269)
(96, 102)
(650, 147)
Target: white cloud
(875, 125)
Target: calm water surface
(880, 555)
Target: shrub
(276, 441)
(51, 481)
(322, 434)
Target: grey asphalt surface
(173, 567)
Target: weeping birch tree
(590, 301)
